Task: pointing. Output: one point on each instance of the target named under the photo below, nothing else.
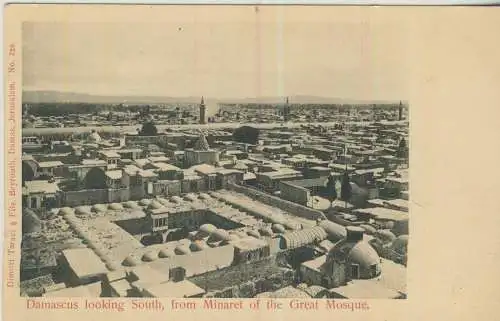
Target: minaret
(202, 111)
(400, 110)
(286, 110)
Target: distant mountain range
(71, 97)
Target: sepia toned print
(264, 157)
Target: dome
(266, 231)
(240, 166)
(112, 266)
(155, 205)
(197, 246)
(241, 234)
(65, 211)
(115, 206)
(205, 196)
(220, 235)
(82, 210)
(145, 202)
(335, 231)
(291, 225)
(150, 256)
(385, 235)
(131, 261)
(254, 233)
(176, 199)
(162, 201)
(363, 254)
(278, 228)
(207, 228)
(94, 137)
(400, 244)
(130, 204)
(360, 253)
(165, 253)
(368, 228)
(202, 143)
(99, 208)
(182, 249)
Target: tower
(400, 110)
(286, 111)
(202, 111)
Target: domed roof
(361, 253)
(150, 256)
(176, 199)
(220, 235)
(182, 249)
(291, 225)
(165, 253)
(130, 204)
(115, 206)
(278, 228)
(112, 266)
(266, 231)
(65, 211)
(385, 235)
(155, 205)
(82, 210)
(162, 201)
(205, 196)
(240, 166)
(145, 202)
(254, 233)
(99, 208)
(368, 228)
(335, 231)
(207, 228)
(131, 261)
(94, 137)
(202, 143)
(197, 246)
(241, 234)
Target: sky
(241, 53)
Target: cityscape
(177, 190)
(275, 208)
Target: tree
(148, 129)
(246, 134)
(330, 188)
(346, 188)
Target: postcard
(194, 161)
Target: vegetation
(148, 129)
(346, 188)
(246, 134)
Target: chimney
(354, 233)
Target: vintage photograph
(228, 152)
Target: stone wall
(290, 207)
(84, 197)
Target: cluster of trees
(345, 188)
(60, 109)
(246, 134)
(148, 129)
